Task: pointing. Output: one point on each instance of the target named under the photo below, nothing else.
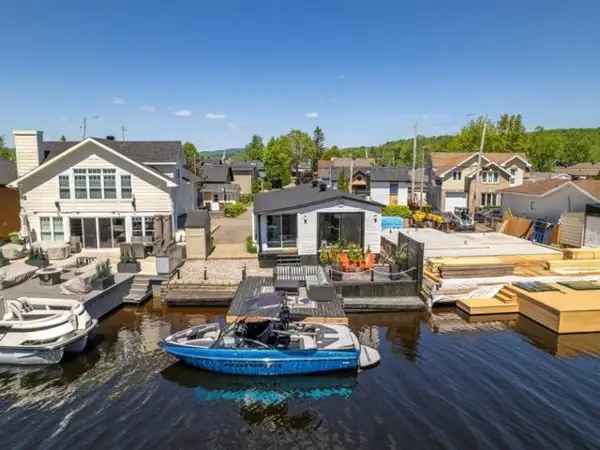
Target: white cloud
(232, 126)
(118, 101)
(149, 108)
(215, 116)
(311, 115)
(183, 113)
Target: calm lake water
(442, 383)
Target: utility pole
(123, 130)
(422, 176)
(414, 163)
(479, 156)
(84, 128)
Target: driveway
(230, 236)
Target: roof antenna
(123, 131)
(84, 126)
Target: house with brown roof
(548, 199)
(582, 170)
(461, 180)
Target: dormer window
(456, 175)
(490, 176)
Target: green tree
(302, 147)
(6, 153)
(278, 160)
(342, 183)
(469, 137)
(190, 153)
(254, 150)
(544, 150)
(332, 152)
(63, 138)
(512, 135)
(319, 147)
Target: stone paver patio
(220, 272)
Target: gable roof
(390, 174)
(442, 162)
(8, 171)
(60, 152)
(215, 173)
(143, 152)
(585, 169)
(545, 187)
(301, 196)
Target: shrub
(103, 270)
(246, 199)
(250, 245)
(397, 210)
(256, 186)
(234, 209)
(14, 237)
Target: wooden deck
(478, 306)
(323, 312)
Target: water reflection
(559, 345)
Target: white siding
(550, 207)
(380, 192)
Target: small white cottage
(298, 220)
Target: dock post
(244, 272)
(205, 273)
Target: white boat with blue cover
(268, 347)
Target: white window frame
(490, 177)
(51, 221)
(457, 175)
(71, 174)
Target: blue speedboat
(274, 346)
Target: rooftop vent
(110, 138)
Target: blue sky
(215, 72)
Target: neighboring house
(346, 163)
(216, 186)
(548, 199)
(458, 182)
(386, 185)
(102, 191)
(245, 175)
(9, 199)
(390, 185)
(298, 220)
(540, 176)
(582, 171)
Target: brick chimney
(28, 149)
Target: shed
(198, 239)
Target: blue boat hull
(264, 362)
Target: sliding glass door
(90, 235)
(98, 232)
(282, 231)
(340, 227)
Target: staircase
(288, 259)
(507, 295)
(141, 289)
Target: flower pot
(40, 263)
(100, 284)
(129, 267)
(394, 269)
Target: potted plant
(128, 264)
(355, 254)
(399, 262)
(37, 258)
(103, 278)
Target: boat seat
(211, 334)
(307, 343)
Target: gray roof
(244, 166)
(220, 187)
(390, 174)
(215, 173)
(197, 219)
(139, 151)
(300, 196)
(8, 171)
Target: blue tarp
(392, 223)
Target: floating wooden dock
(381, 304)
(320, 312)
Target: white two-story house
(102, 191)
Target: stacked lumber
(473, 267)
(574, 266)
(582, 253)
